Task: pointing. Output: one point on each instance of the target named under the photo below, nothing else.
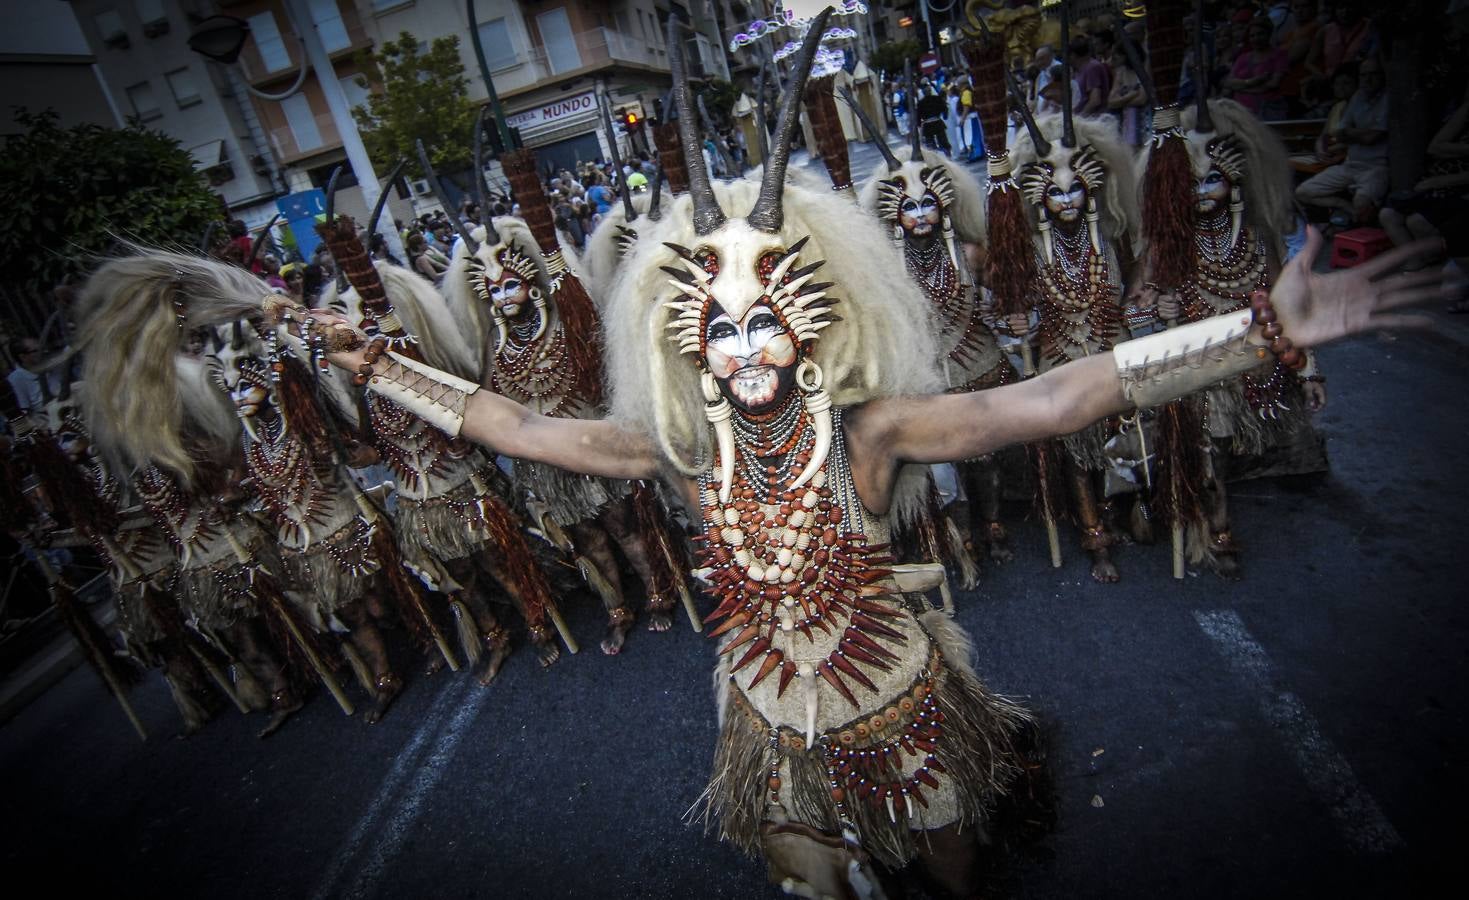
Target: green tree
(70, 194)
(889, 58)
(417, 96)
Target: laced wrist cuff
(434, 396)
(1187, 358)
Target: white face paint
(1212, 192)
(919, 217)
(510, 294)
(1065, 205)
(241, 374)
(753, 359)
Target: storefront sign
(554, 111)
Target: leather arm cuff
(1188, 358)
(434, 396)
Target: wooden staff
(66, 604)
(277, 602)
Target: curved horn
(657, 187)
(470, 244)
(1135, 60)
(481, 188)
(707, 215)
(628, 211)
(382, 195)
(237, 335)
(216, 339)
(708, 123)
(208, 240)
(331, 194)
(1068, 128)
(915, 136)
(259, 240)
(766, 215)
(1203, 122)
(879, 137)
(762, 135)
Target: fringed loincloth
(334, 570)
(1252, 416)
(217, 595)
(953, 774)
(449, 526)
(1087, 447)
(570, 497)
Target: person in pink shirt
(1254, 80)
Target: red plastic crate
(1350, 248)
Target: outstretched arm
(1312, 309)
(588, 446)
(461, 408)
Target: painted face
(1211, 192)
(754, 359)
(510, 294)
(65, 423)
(920, 216)
(241, 374)
(1065, 204)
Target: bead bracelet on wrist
(1286, 352)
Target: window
(354, 88)
(560, 43)
(145, 105)
(302, 122)
(494, 37)
(110, 28)
(153, 17)
(181, 82)
(268, 42)
(329, 25)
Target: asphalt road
(1299, 733)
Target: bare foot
(1102, 568)
(497, 658)
(659, 620)
(999, 544)
(548, 652)
(436, 662)
(389, 686)
(280, 712)
(616, 636)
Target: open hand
(344, 346)
(1315, 309)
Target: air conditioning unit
(421, 188)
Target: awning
(208, 155)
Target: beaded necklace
(787, 562)
(1225, 274)
(532, 372)
(958, 314)
(1079, 313)
(285, 477)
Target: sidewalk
(56, 658)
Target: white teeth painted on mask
(754, 387)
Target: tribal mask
(743, 307)
(238, 362)
(915, 201)
(64, 421)
(1219, 166)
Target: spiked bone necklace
(534, 372)
(281, 464)
(958, 313)
(785, 562)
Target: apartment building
(141, 50)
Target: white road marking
(451, 696)
(1357, 815)
(396, 830)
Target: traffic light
(629, 120)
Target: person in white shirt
(26, 379)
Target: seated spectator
(32, 385)
(1254, 79)
(1435, 205)
(430, 262)
(1354, 189)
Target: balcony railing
(598, 45)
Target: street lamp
(221, 38)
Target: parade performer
(934, 211)
(328, 535)
(1216, 202)
(179, 439)
(540, 339)
(787, 425)
(1076, 175)
(453, 523)
(140, 562)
